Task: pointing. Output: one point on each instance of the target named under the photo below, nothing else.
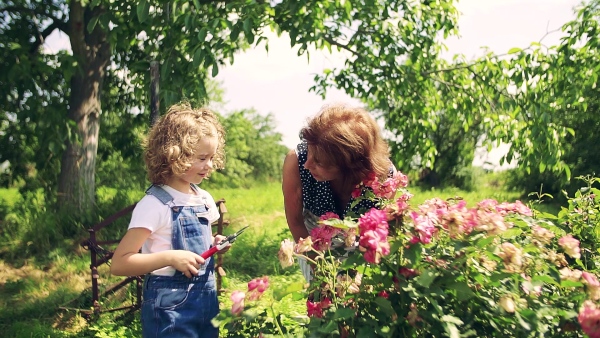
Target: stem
(307, 258)
(276, 321)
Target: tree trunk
(76, 184)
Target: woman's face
(319, 171)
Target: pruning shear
(223, 244)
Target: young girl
(172, 226)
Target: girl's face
(200, 167)
(319, 171)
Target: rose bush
(444, 268)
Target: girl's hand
(219, 238)
(186, 261)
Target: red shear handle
(206, 254)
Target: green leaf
(485, 241)
(523, 323)
(247, 24)
(426, 278)
(197, 4)
(329, 327)
(198, 57)
(143, 10)
(215, 69)
(202, 34)
(569, 283)
(92, 23)
(385, 305)
(283, 290)
(463, 291)
(452, 330)
(544, 278)
(512, 232)
(344, 313)
(451, 319)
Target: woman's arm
(292, 196)
(128, 261)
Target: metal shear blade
(231, 238)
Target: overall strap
(161, 194)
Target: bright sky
(277, 82)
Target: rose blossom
(589, 318)
(511, 255)
(568, 274)
(383, 294)
(329, 215)
(507, 303)
(542, 234)
(593, 285)
(321, 236)
(257, 287)
(424, 227)
(286, 253)
(373, 219)
(350, 238)
(237, 297)
(374, 246)
(570, 245)
(304, 245)
(315, 309)
(345, 283)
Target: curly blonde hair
(171, 144)
(350, 139)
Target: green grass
(32, 288)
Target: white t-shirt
(152, 214)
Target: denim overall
(178, 306)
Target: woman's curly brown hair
(350, 139)
(172, 142)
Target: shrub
(445, 269)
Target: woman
(340, 147)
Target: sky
(278, 81)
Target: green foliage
(574, 107)
(581, 217)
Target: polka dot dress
(318, 196)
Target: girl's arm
(128, 261)
(292, 196)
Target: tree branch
(343, 46)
